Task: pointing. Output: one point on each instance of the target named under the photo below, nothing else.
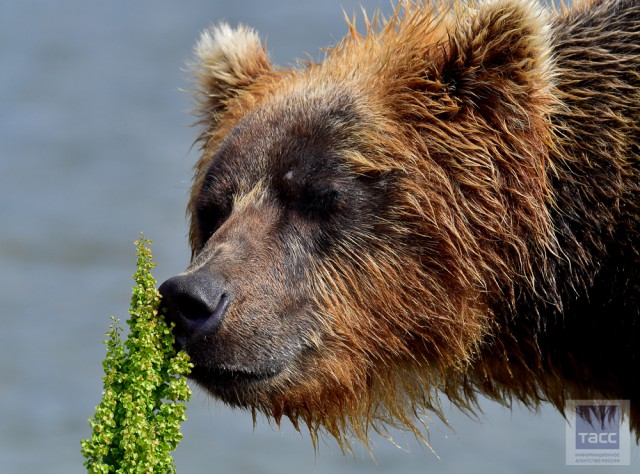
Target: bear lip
(220, 374)
(228, 384)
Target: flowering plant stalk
(136, 426)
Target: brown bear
(449, 203)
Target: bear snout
(196, 303)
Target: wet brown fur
(504, 140)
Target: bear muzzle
(196, 303)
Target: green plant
(136, 426)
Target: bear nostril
(192, 308)
(210, 322)
(195, 303)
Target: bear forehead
(289, 135)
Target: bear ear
(228, 60)
(498, 57)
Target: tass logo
(597, 432)
(597, 427)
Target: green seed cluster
(136, 426)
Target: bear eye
(317, 198)
(210, 216)
(320, 201)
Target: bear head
(352, 220)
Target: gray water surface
(94, 148)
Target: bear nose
(196, 303)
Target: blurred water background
(94, 148)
